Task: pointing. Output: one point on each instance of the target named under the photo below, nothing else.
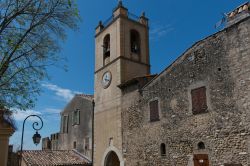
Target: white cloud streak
(52, 110)
(157, 31)
(65, 94)
(20, 115)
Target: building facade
(76, 127)
(121, 54)
(195, 112)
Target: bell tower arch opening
(135, 41)
(106, 49)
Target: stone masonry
(220, 63)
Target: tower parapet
(121, 11)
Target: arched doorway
(112, 159)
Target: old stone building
(195, 112)
(76, 127)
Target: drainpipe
(93, 114)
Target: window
(201, 145)
(154, 110)
(87, 143)
(65, 124)
(135, 41)
(163, 149)
(106, 49)
(74, 145)
(199, 101)
(76, 117)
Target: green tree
(29, 34)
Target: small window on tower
(163, 149)
(199, 100)
(154, 110)
(106, 49)
(135, 41)
(74, 145)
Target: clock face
(106, 79)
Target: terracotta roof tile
(142, 80)
(54, 158)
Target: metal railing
(133, 16)
(110, 19)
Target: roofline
(214, 34)
(84, 96)
(83, 156)
(245, 3)
(134, 80)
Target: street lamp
(36, 137)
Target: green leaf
(69, 3)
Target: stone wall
(78, 134)
(219, 62)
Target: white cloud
(52, 110)
(20, 115)
(65, 94)
(157, 31)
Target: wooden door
(201, 160)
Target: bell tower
(121, 54)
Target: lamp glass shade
(36, 138)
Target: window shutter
(78, 117)
(199, 101)
(61, 127)
(72, 118)
(64, 124)
(154, 110)
(67, 122)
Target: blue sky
(174, 27)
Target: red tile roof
(54, 158)
(142, 80)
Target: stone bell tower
(121, 53)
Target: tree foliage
(29, 33)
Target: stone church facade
(195, 112)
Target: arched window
(135, 41)
(163, 149)
(201, 145)
(106, 49)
